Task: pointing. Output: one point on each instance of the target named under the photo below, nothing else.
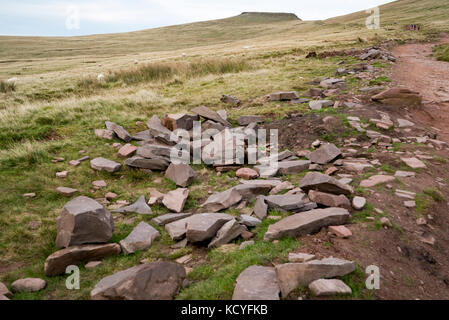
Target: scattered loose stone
(257, 283)
(249, 221)
(285, 185)
(155, 197)
(222, 200)
(110, 196)
(231, 100)
(176, 199)
(181, 174)
(140, 206)
(402, 123)
(119, 131)
(99, 184)
(284, 96)
(410, 204)
(228, 232)
(290, 203)
(293, 275)
(340, 231)
(358, 203)
(57, 262)
(204, 226)
(404, 174)
(260, 208)
(292, 167)
(385, 222)
(375, 180)
(62, 174)
(247, 173)
(105, 134)
(93, 264)
(170, 217)
(319, 104)
(28, 285)
(405, 194)
(329, 287)
(246, 120)
(127, 150)
(325, 154)
(330, 200)
(140, 238)
(211, 115)
(324, 183)
(74, 163)
(399, 97)
(102, 164)
(159, 280)
(82, 221)
(300, 257)
(150, 164)
(414, 163)
(179, 121)
(4, 291)
(184, 259)
(303, 224)
(67, 192)
(29, 195)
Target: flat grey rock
(210, 115)
(290, 202)
(102, 164)
(170, 217)
(292, 167)
(246, 120)
(260, 208)
(151, 151)
(319, 104)
(329, 287)
(325, 154)
(140, 206)
(304, 223)
(176, 199)
(249, 221)
(177, 229)
(159, 164)
(257, 283)
(181, 174)
(140, 238)
(204, 226)
(28, 285)
(222, 200)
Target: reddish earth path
(417, 70)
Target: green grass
(441, 53)
(7, 87)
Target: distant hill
(269, 16)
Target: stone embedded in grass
(330, 200)
(85, 158)
(222, 200)
(292, 167)
(93, 264)
(245, 244)
(414, 163)
(250, 191)
(228, 232)
(4, 291)
(140, 206)
(333, 83)
(329, 287)
(155, 197)
(179, 121)
(159, 164)
(67, 192)
(176, 199)
(410, 204)
(246, 173)
(98, 184)
(140, 238)
(300, 257)
(159, 280)
(119, 131)
(260, 208)
(74, 163)
(324, 183)
(290, 203)
(209, 114)
(127, 150)
(325, 154)
(57, 262)
(230, 100)
(249, 221)
(340, 231)
(82, 221)
(257, 283)
(246, 120)
(405, 194)
(105, 134)
(181, 174)
(285, 185)
(293, 275)
(62, 174)
(385, 222)
(204, 226)
(283, 96)
(319, 104)
(110, 195)
(154, 151)
(301, 224)
(28, 285)
(102, 164)
(170, 217)
(29, 195)
(375, 180)
(358, 203)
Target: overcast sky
(82, 17)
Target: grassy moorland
(57, 103)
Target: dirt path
(417, 70)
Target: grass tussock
(7, 87)
(164, 71)
(441, 53)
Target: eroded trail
(417, 70)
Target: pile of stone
(373, 53)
